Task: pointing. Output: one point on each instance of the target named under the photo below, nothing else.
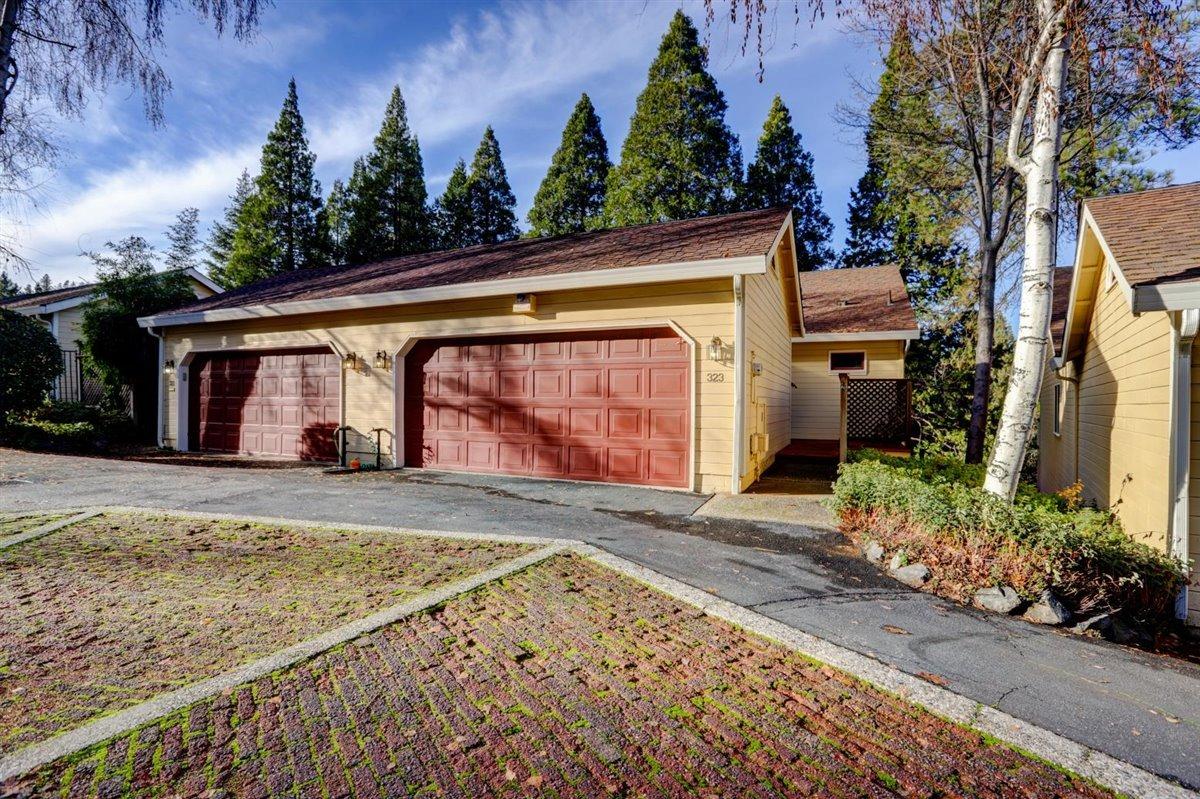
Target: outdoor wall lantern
(715, 348)
(350, 361)
(168, 367)
(382, 361)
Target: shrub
(69, 427)
(29, 363)
(938, 512)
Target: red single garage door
(613, 407)
(275, 403)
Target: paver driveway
(114, 609)
(563, 680)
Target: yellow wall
(1057, 461)
(815, 403)
(1194, 490)
(702, 308)
(768, 394)
(70, 327)
(1122, 427)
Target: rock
(1130, 633)
(1101, 624)
(898, 560)
(997, 598)
(874, 552)
(1047, 610)
(915, 575)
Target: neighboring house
(1118, 401)
(662, 355)
(61, 310)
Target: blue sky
(461, 65)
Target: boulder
(997, 598)
(898, 561)
(1128, 632)
(1099, 625)
(915, 575)
(874, 552)
(1047, 610)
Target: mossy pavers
(21, 527)
(112, 610)
(563, 679)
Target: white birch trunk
(1040, 171)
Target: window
(847, 362)
(1058, 408)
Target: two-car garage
(609, 406)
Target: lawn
(565, 679)
(112, 610)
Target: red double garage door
(609, 407)
(278, 403)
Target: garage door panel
(278, 403)
(601, 406)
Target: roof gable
(1153, 235)
(855, 301)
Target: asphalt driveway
(1140, 707)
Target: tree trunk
(984, 345)
(1040, 171)
(9, 11)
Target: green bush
(29, 363)
(69, 427)
(937, 510)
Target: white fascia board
(626, 276)
(53, 307)
(882, 335)
(204, 280)
(1182, 296)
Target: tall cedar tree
(337, 222)
(680, 159)
(870, 228)
(278, 230)
(571, 197)
(388, 211)
(453, 210)
(492, 199)
(184, 236)
(782, 175)
(220, 240)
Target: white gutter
(1184, 327)
(624, 276)
(882, 335)
(739, 382)
(161, 363)
(1182, 296)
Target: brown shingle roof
(864, 300)
(1153, 234)
(727, 236)
(46, 297)
(1059, 305)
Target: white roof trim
(204, 280)
(881, 335)
(625, 276)
(72, 302)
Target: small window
(845, 362)
(1058, 408)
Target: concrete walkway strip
(46, 529)
(80, 738)
(1104, 769)
(361, 528)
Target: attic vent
(846, 302)
(891, 298)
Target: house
(61, 310)
(1119, 398)
(662, 354)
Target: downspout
(157, 333)
(1183, 332)
(739, 382)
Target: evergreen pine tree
(492, 199)
(782, 175)
(453, 211)
(571, 197)
(220, 240)
(337, 222)
(8, 286)
(184, 236)
(255, 251)
(869, 241)
(388, 211)
(286, 203)
(680, 159)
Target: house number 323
(715, 377)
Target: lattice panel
(878, 410)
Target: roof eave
(868, 335)
(624, 276)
